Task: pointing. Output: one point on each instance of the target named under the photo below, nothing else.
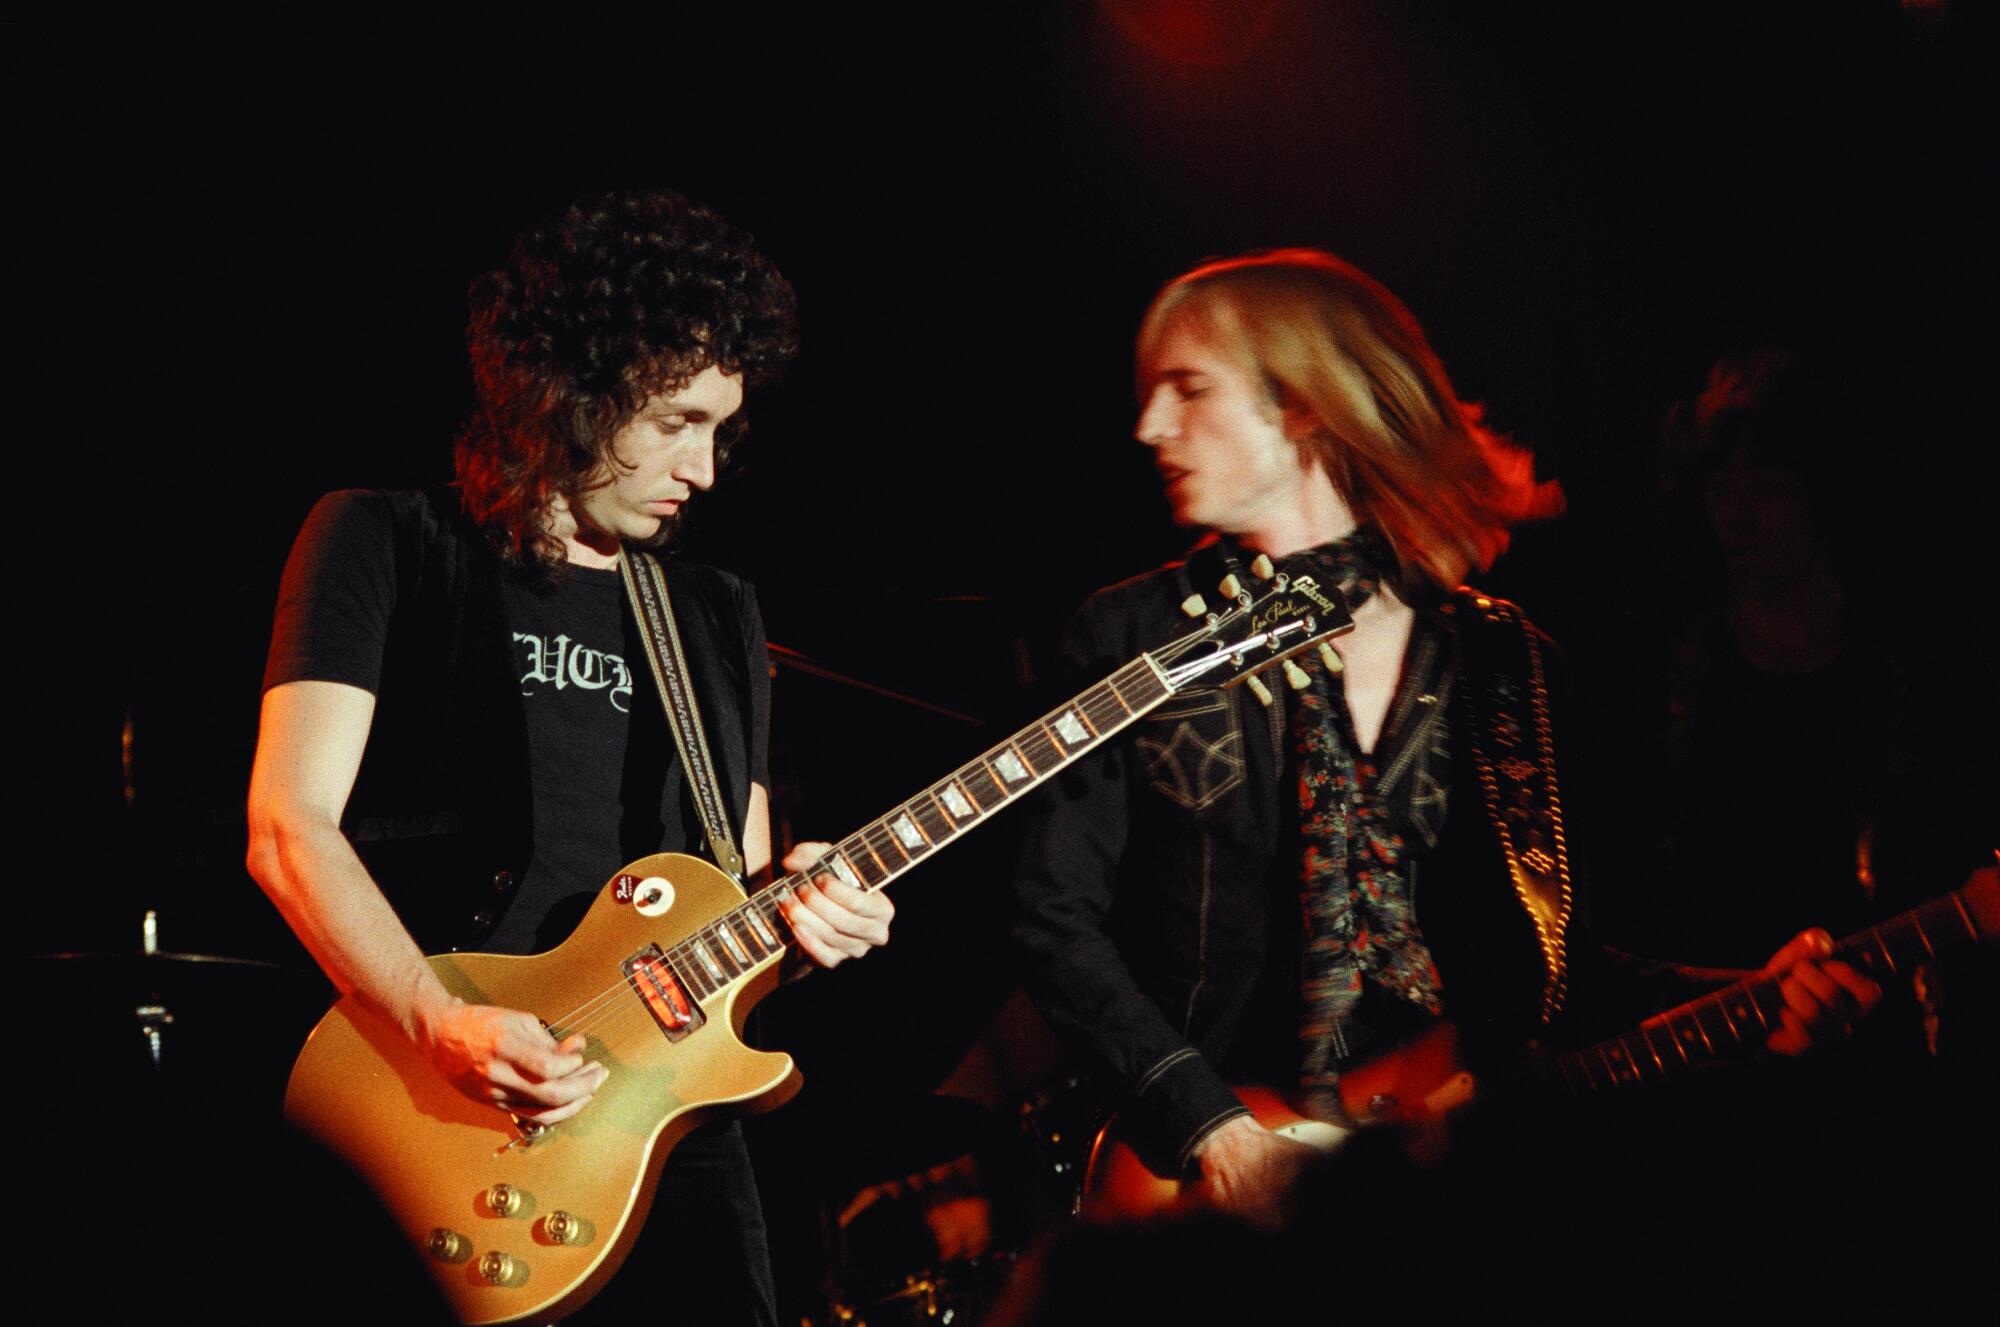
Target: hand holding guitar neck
(831, 921)
(506, 1058)
(1823, 996)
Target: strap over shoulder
(646, 587)
(1513, 750)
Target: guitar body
(435, 1156)
(1118, 1186)
(1416, 1087)
(519, 1221)
(1412, 1088)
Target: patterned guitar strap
(1354, 897)
(646, 587)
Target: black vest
(442, 810)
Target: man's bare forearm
(311, 872)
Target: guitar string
(1097, 704)
(1102, 706)
(1103, 710)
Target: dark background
(241, 256)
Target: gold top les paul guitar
(520, 1220)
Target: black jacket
(1157, 906)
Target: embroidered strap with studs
(646, 587)
(1514, 751)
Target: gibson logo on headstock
(1309, 587)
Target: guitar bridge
(661, 990)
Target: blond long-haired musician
(1243, 891)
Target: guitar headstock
(1281, 611)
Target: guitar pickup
(661, 990)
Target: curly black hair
(625, 296)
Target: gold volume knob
(505, 1200)
(562, 1228)
(448, 1246)
(502, 1269)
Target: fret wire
(1107, 712)
(1917, 923)
(1958, 904)
(1694, 1017)
(993, 776)
(859, 853)
(880, 835)
(1130, 677)
(1117, 692)
(936, 792)
(1639, 1061)
(1646, 1035)
(720, 952)
(1583, 1063)
(1875, 934)
(974, 814)
(1750, 989)
(1624, 1052)
(1675, 1038)
(723, 953)
(903, 812)
(746, 941)
(715, 956)
(859, 860)
(1046, 731)
(1698, 1031)
(992, 795)
(964, 779)
(746, 938)
(772, 912)
(931, 809)
(1024, 745)
(1098, 700)
(1102, 720)
(1719, 1008)
(1722, 1007)
(930, 818)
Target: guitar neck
(868, 859)
(1743, 1015)
(885, 848)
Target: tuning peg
(1329, 658)
(1261, 567)
(1193, 606)
(1230, 587)
(1259, 690)
(1296, 676)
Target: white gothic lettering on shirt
(565, 663)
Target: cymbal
(157, 958)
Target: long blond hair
(1401, 448)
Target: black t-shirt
(606, 780)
